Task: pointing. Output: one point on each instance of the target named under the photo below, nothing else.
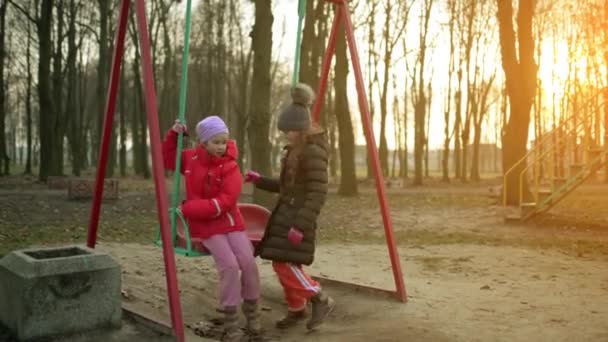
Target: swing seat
(255, 218)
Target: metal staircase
(559, 162)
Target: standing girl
(289, 239)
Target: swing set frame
(342, 17)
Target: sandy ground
(456, 293)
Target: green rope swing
(182, 112)
(174, 213)
(296, 67)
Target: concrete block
(56, 291)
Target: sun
(554, 67)
(557, 67)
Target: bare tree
(4, 159)
(308, 38)
(482, 104)
(520, 71)
(468, 42)
(43, 20)
(393, 30)
(346, 138)
(405, 154)
(445, 161)
(138, 120)
(259, 117)
(421, 98)
(71, 108)
(373, 60)
(28, 100)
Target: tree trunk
(242, 112)
(137, 106)
(84, 116)
(28, 102)
(396, 130)
(103, 73)
(169, 85)
(259, 125)
(305, 74)
(469, 35)
(520, 81)
(240, 99)
(478, 121)
(404, 170)
(421, 103)
(458, 126)
(314, 45)
(103, 70)
(427, 130)
(46, 103)
(143, 144)
(445, 161)
(3, 91)
(606, 137)
(372, 69)
(122, 154)
(57, 89)
(475, 174)
(383, 146)
(318, 49)
(346, 137)
(72, 110)
(419, 137)
(331, 128)
(220, 84)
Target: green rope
(296, 67)
(182, 115)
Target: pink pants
(235, 263)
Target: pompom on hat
(296, 116)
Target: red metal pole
(373, 152)
(158, 172)
(329, 54)
(107, 122)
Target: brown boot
(251, 311)
(322, 306)
(292, 319)
(232, 331)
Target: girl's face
(293, 137)
(217, 145)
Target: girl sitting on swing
(213, 185)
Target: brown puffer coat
(302, 195)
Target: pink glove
(295, 236)
(179, 127)
(252, 177)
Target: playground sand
(456, 293)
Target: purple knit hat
(210, 127)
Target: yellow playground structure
(559, 161)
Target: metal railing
(560, 138)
